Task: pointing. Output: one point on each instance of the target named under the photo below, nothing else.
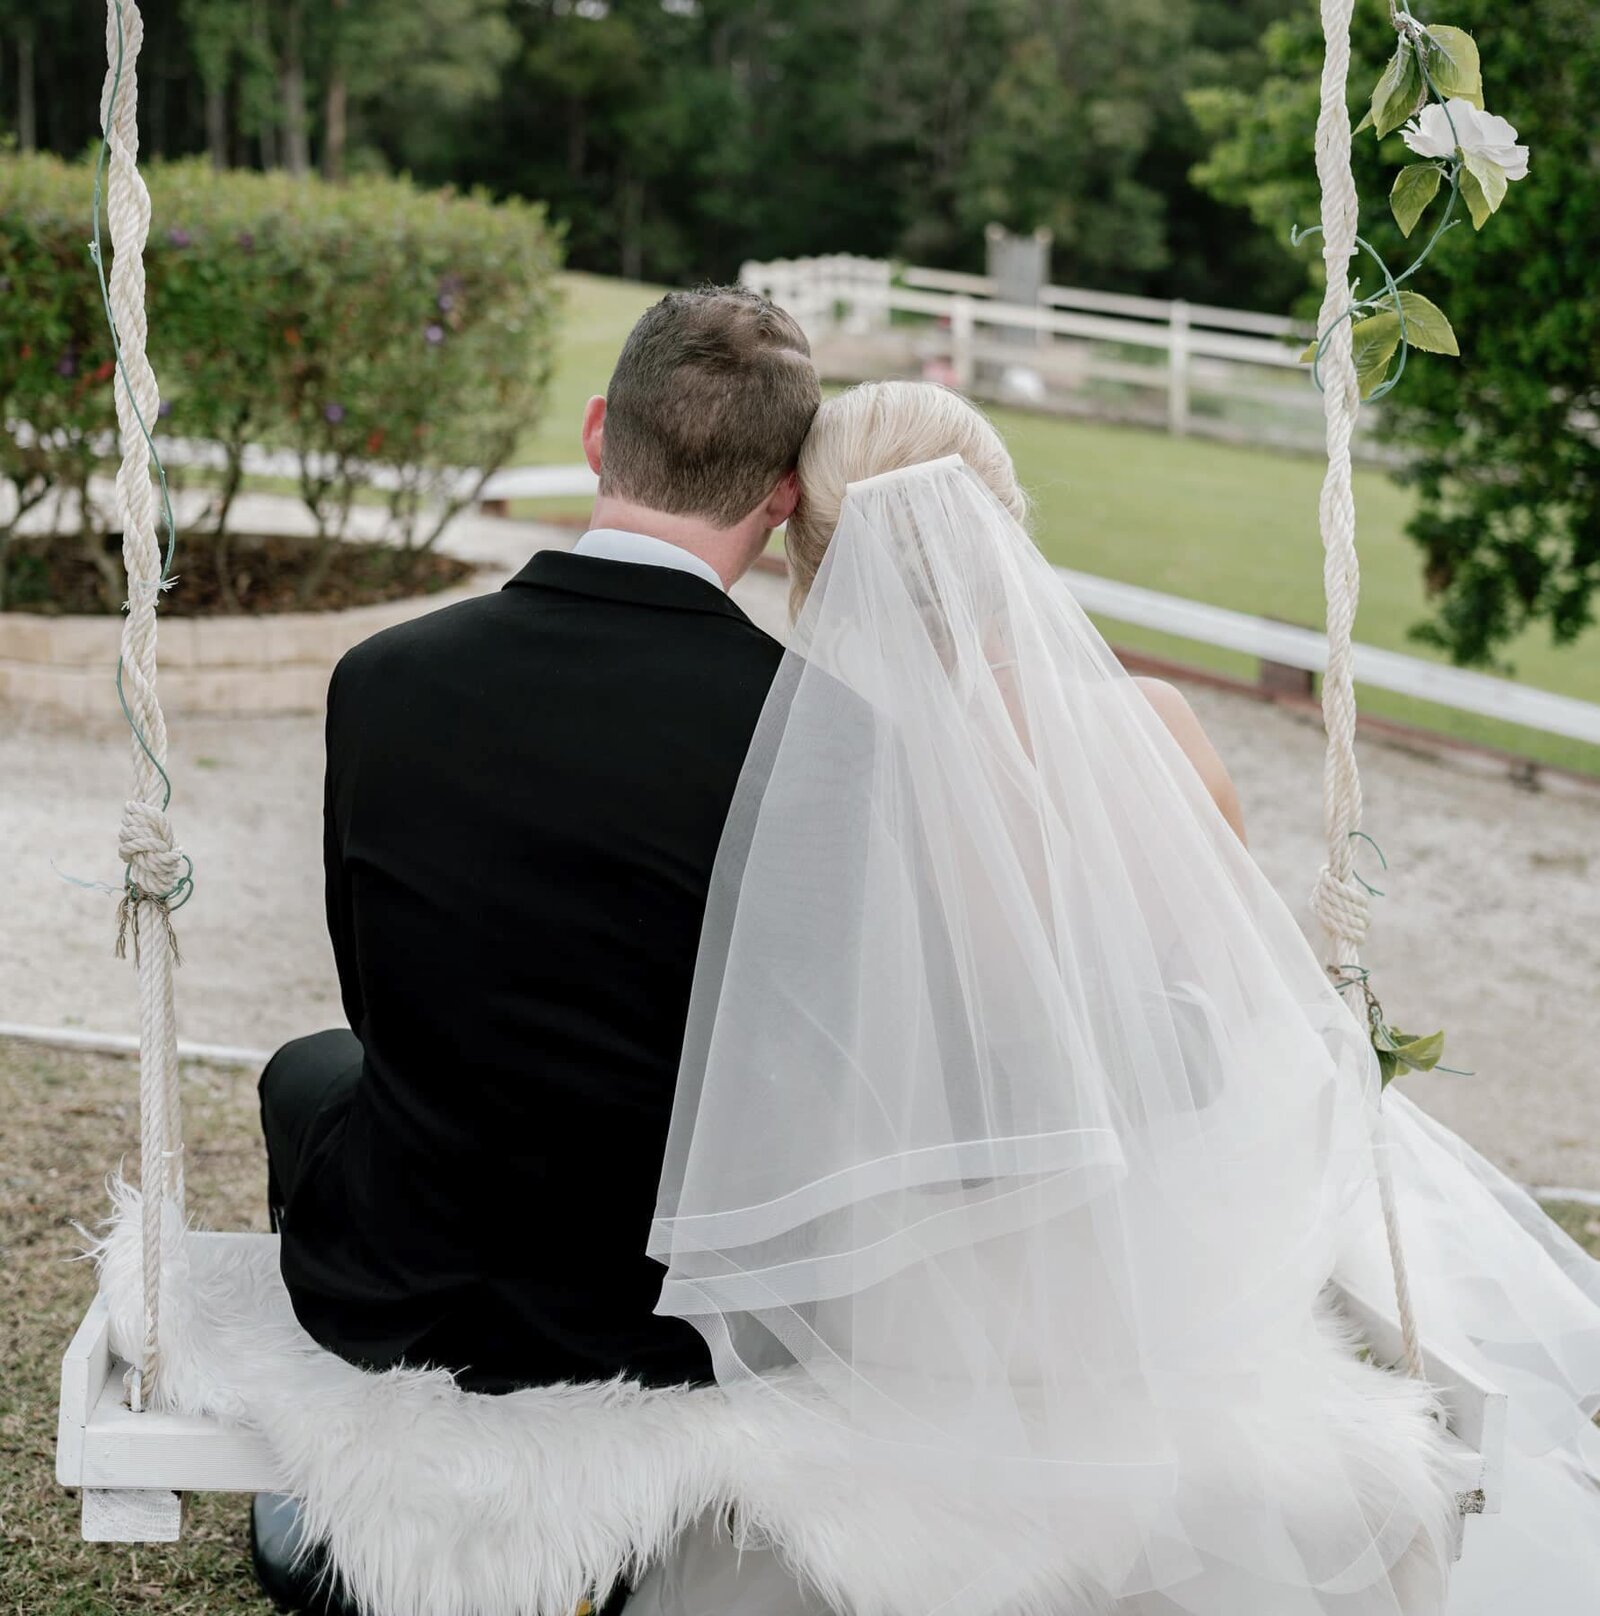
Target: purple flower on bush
(67, 364)
(180, 238)
(333, 414)
(166, 408)
(247, 242)
(446, 302)
(434, 335)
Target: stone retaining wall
(235, 665)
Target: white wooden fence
(1287, 645)
(1195, 368)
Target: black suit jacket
(525, 794)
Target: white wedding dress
(1019, 1133)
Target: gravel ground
(1491, 925)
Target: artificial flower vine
(1432, 92)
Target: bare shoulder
(1173, 708)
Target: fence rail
(1193, 367)
(1290, 646)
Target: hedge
(387, 336)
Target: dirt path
(1491, 926)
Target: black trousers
(303, 1090)
(303, 1085)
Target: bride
(1019, 1134)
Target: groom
(524, 798)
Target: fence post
(962, 324)
(1178, 370)
(880, 273)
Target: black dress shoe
(304, 1585)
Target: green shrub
(388, 337)
(56, 408)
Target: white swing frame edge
(133, 1469)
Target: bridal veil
(1019, 1131)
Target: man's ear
(594, 431)
(782, 500)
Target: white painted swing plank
(184, 1452)
(101, 1444)
(85, 1368)
(1475, 1411)
(131, 1515)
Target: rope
(157, 879)
(157, 871)
(1339, 900)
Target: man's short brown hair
(708, 406)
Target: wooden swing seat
(133, 1469)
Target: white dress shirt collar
(615, 544)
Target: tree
(1066, 124)
(219, 33)
(676, 138)
(1503, 444)
(25, 25)
(397, 76)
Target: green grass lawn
(1231, 526)
(596, 316)
(70, 1119)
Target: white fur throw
(438, 1502)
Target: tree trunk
(292, 80)
(631, 211)
(217, 126)
(266, 131)
(577, 138)
(27, 111)
(336, 104)
(333, 131)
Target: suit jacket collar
(626, 581)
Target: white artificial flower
(1477, 133)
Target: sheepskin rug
(437, 1502)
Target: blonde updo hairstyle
(878, 427)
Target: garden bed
(250, 574)
(273, 656)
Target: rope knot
(146, 845)
(1340, 903)
(160, 874)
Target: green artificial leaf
(1374, 341)
(1414, 188)
(1384, 1038)
(1365, 124)
(1398, 92)
(1399, 1052)
(1477, 202)
(1483, 187)
(1452, 61)
(1309, 353)
(1420, 1054)
(1426, 326)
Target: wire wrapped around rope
(158, 876)
(1339, 900)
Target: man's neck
(727, 551)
